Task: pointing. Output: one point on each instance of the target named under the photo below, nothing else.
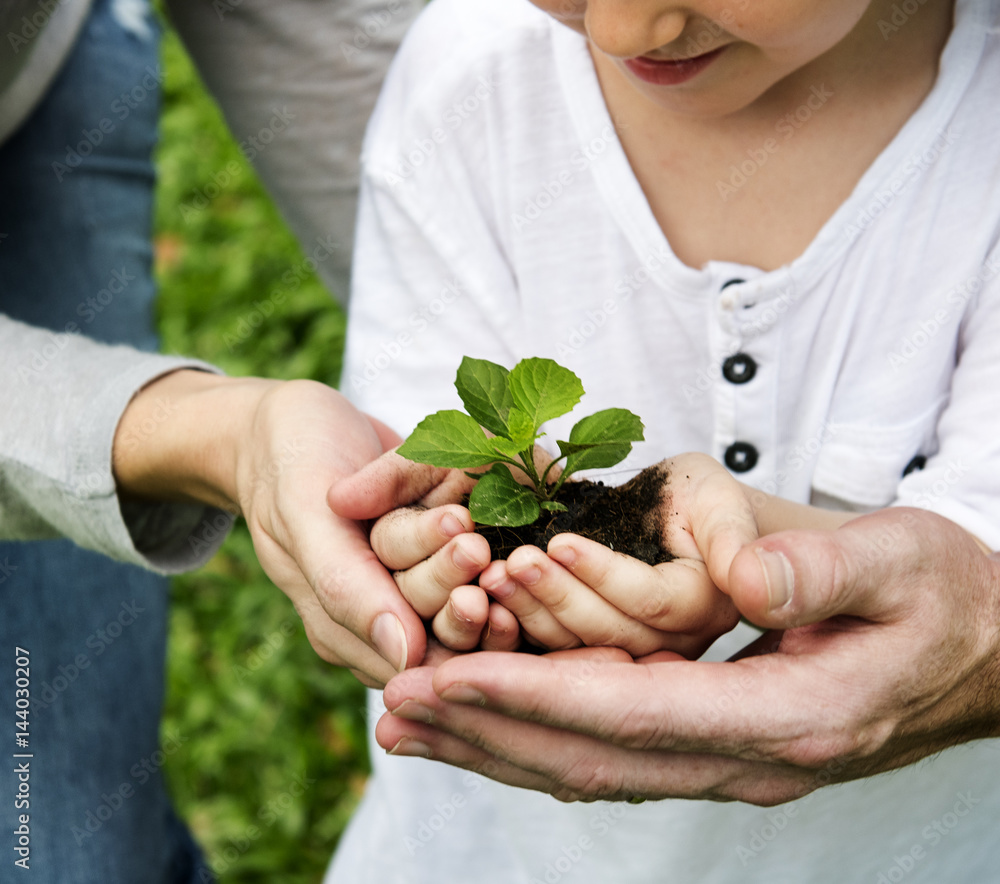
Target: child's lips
(663, 72)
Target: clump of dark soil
(627, 518)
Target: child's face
(710, 57)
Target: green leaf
(498, 500)
(449, 439)
(506, 447)
(520, 439)
(543, 389)
(601, 440)
(485, 392)
(553, 506)
(522, 430)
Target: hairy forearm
(179, 437)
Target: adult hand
(884, 647)
(270, 450)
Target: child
(770, 229)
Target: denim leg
(76, 190)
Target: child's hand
(434, 557)
(583, 592)
(433, 552)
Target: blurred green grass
(272, 755)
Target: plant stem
(545, 475)
(557, 485)
(528, 460)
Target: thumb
(386, 483)
(794, 578)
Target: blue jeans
(76, 190)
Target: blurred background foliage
(273, 758)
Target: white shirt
(500, 219)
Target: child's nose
(630, 28)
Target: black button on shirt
(739, 369)
(730, 282)
(741, 457)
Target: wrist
(179, 437)
(775, 514)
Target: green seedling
(512, 406)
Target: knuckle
(590, 780)
(331, 588)
(394, 536)
(825, 753)
(726, 619)
(598, 566)
(656, 608)
(638, 726)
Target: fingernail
(462, 559)
(779, 577)
(463, 693)
(459, 615)
(527, 576)
(390, 640)
(414, 710)
(411, 748)
(451, 526)
(564, 555)
(500, 590)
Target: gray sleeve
(297, 81)
(61, 398)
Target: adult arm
(146, 460)
(296, 82)
(62, 397)
(884, 647)
(268, 450)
